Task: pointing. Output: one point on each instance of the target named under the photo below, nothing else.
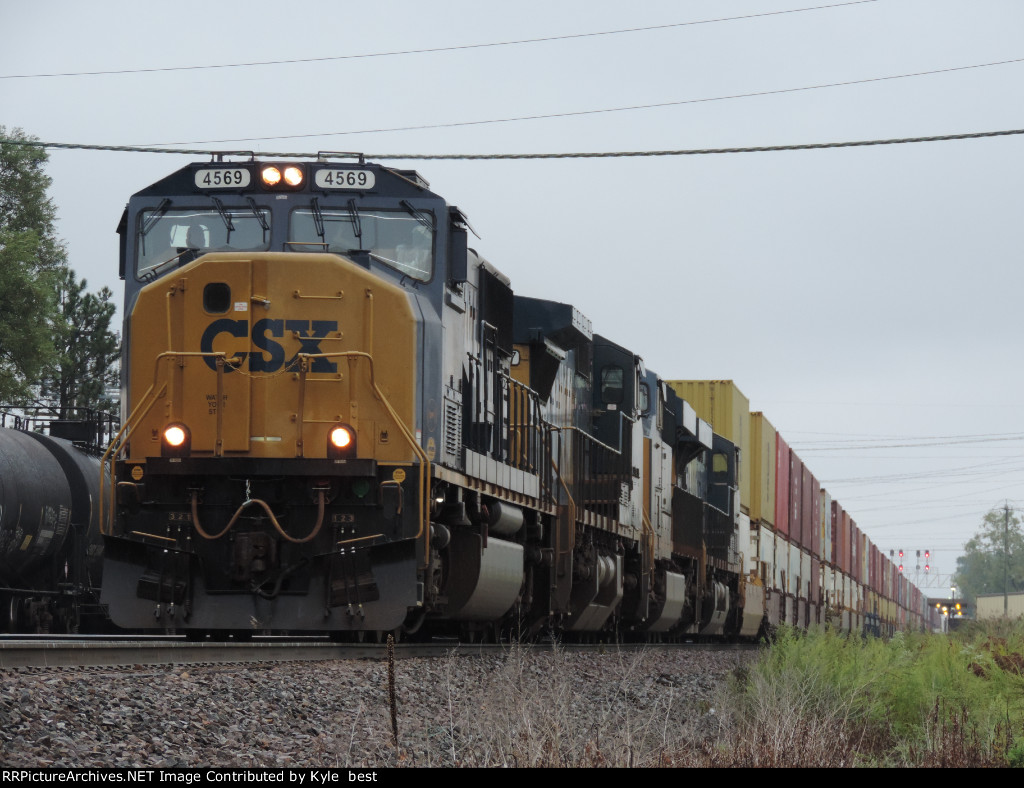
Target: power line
(521, 156)
(432, 50)
(880, 438)
(814, 449)
(455, 124)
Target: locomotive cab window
(166, 239)
(399, 239)
(611, 385)
(645, 400)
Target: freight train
(338, 417)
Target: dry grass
(806, 702)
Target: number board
(344, 179)
(223, 178)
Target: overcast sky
(866, 299)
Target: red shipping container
(847, 544)
(837, 536)
(781, 485)
(806, 513)
(815, 518)
(796, 479)
(855, 572)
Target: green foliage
(56, 346)
(26, 314)
(1015, 757)
(993, 559)
(24, 204)
(87, 350)
(912, 700)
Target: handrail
(424, 471)
(127, 429)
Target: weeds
(817, 699)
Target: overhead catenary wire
(510, 156)
(433, 50)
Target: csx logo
(269, 356)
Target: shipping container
(837, 536)
(727, 409)
(796, 485)
(762, 469)
(766, 552)
(808, 509)
(814, 518)
(793, 587)
(854, 551)
(781, 485)
(826, 553)
(865, 557)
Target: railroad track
(85, 651)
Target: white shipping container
(795, 582)
(993, 605)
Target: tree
(30, 257)
(993, 559)
(26, 315)
(87, 351)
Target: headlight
(341, 442)
(271, 176)
(176, 441)
(293, 176)
(277, 178)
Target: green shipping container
(724, 406)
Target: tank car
(50, 547)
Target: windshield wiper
(155, 217)
(422, 217)
(225, 217)
(318, 219)
(353, 215)
(259, 217)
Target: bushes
(823, 699)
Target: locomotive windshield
(166, 237)
(403, 240)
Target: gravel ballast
(520, 708)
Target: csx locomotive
(338, 417)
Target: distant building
(993, 605)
